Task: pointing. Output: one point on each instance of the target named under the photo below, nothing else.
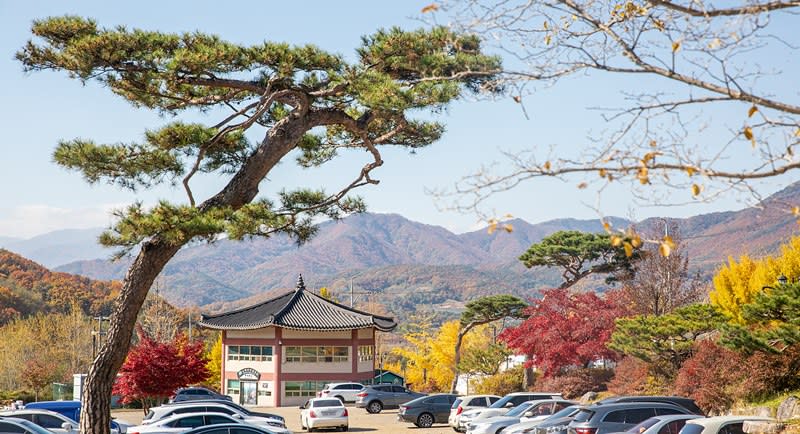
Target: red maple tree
(153, 370)
(565, 328)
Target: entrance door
(248, 393)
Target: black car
(197, 393)
(229, 428)
(687, 403)
(244, 410)
(427, 410)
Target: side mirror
(236, 416)
(509, 404)
(528, 414)
(302, 407)
(67, 426)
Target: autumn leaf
(796, 210)
(642, 175)
(546, 166)
(616, 240)
(607, 226)
(492, 226)
(636, 241)
(748, 133)
(676, 46)
(696, 189)
(628, 249)
(602, 173)
(508, 228)
(583, 185)
(430, 8)
(547, 40)
(667, 246)
(752, 111)
(691, 171)
(517, 99)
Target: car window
(149, 415)
(733, 428)
(637, 415)
(437, 400)
(691, 428)
(326, 403)
(28, 417)
(643, 425)
(518, 410)
(245, 430)
(356, 386)
(568, 411)
(672, 427)
(519, 399)
(558, 406)
(11, 428)
(48, 421)
(220, 409)
(399, 389)
(614, 416)
(383, 388)
(218, 431)
(664, 411)
(457, 402)
(584, 415)
(213, 419)
(493, 399)
(187, 422)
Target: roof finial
(300, 284)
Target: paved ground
(360, 421)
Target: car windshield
(518, 410)
(564, 412)
(583, 415)
(647, 423)
(32, 427)
(502, 402)
(326, 403)
(691, 428)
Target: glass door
(248, 393)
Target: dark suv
(687, 403)
(377, 397)
(608, 418)
(196, 393)
(427, 410)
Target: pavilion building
(280, 352)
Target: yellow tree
(214, 364)
(738, 283)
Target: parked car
(180, 423)
(465, 403)
(49, 420)
(377, 397)
(16, 425)
(243, 410)
(667, 424)
(345, 392)
(427, 410)
(72, 410)
(165, 411)
(195, 393)
(324, 413)
(608, 418)
(537, 409)
(229, 428)
(502, 406)
(557, 423)
(720, 424)
(687, 403)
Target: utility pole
(97, 336)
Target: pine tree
(299, 98)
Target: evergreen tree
(297, 97)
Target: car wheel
(340, 399)
(302, 425)
(374, 407)
(425, 420)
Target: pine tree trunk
(96, 397)
(457, 358)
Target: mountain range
(406, 265)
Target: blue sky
(41, 108)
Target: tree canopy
(579, 254)
(702, 85)
(298, 98)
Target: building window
(233, 387)
(317, 354)
(253, 353)
(366, 353)
(304, 388)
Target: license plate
(329, 412)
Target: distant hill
(414, 264)
(27, 288)
(59, 247)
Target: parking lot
(360, 421)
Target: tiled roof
(298, 309)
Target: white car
(666, 424)
(164, 411)
(720, 424)
(465, 403)
(501, 407)
(180, 423)
(323, 413)
(345, 392)
(50, 420)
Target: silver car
(466, 403)
(376, 398)
(530, 410)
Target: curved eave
(380, 327)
